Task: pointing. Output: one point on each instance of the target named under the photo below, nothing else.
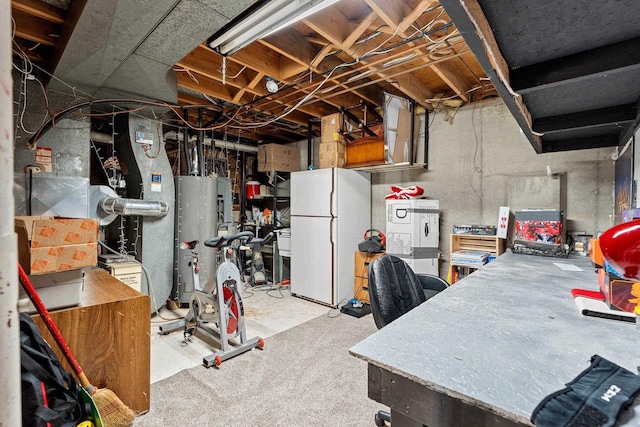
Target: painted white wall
(10, 396)
(479, 161)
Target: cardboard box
(56, 290)
(277, 157)
(331, 128)
(413, 227)
(47, 244)
(617, 291)
(128, 272)
(332, 154)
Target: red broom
(113, 411)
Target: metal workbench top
(505, 336)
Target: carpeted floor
(304, 377)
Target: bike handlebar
(263, 240)
(227, 239)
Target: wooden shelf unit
(361, 284)
(471, 242)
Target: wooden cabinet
(469, 242)
(362, 261)
(109, 334)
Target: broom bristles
(113, 411)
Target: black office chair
(394, 290)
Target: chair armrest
(431, 285)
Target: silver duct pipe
(177, 136)
(101, 137)
(118, 206)
(218, 143)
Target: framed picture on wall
(636, 169)
(624, 178)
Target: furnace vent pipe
(118, 206)
(218, 143)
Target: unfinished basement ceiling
(342, 56)
(345, 55)
(567, 69)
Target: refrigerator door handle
(426, 229)
(333, 257)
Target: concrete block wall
(479, 161)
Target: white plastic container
(284, 242)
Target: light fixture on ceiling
(272, 85)
(262, 19)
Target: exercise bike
(258, 272)
(216, 310)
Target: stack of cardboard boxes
(53, 251)
(278, 157)
(332, 150)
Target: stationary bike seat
(189, 245)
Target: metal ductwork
(149, 189)
(118, 206)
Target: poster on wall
(636, 169)
(624, 178)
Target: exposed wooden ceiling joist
(39, 9)
(337, 58)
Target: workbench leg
(398, 419)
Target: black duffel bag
(50, 394)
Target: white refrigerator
(330, 211)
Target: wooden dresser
(362, 261)
(109, 333)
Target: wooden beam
(484, 31)
(36, 29)
(290, 43)
(332, 25)
(363, 26)
(256, 57)
(391, 12)
(251, 85)
(40, 55)
(450, 75)
(321, 55)
(39, 9)
(396, 14)
(209, 64)
(188, 99)
(411, 17)
(225, 92)
(408, 84)
(207, 86)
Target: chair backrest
(394, 289)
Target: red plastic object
(620, 246)
(232, 303)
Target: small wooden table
(109, 333)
